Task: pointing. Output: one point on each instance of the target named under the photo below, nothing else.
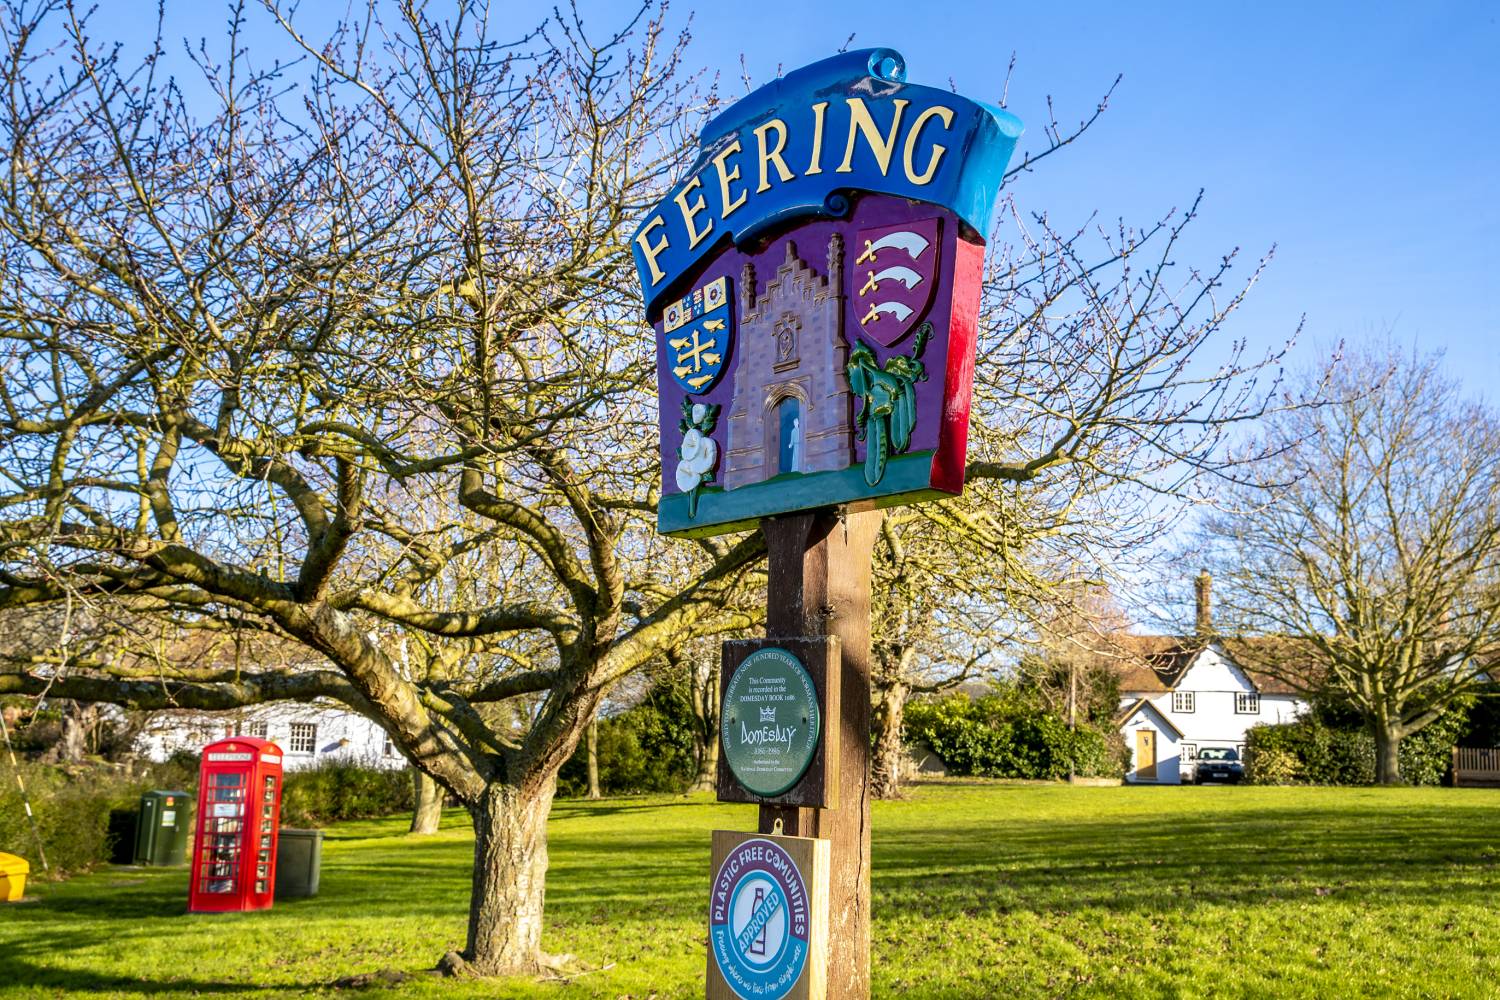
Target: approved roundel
(758, 921)
(769, 721)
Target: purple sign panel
(813, 285)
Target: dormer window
(1182, 701)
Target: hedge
(1324, 747)
(72, 804)
(1003, 737)
(333, 791)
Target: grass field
(980, 890)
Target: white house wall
(1214, 681)
(1168, 751)
(340, 735)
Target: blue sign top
(848, 123)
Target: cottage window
(256, 729)
(390, 748)
(1247, 704)
(1182, 701)
(1189, 752)
(304, 738)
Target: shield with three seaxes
(894, 274)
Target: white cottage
(308, 733)
(1184, 694)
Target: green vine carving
(888, 400)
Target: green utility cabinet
(161, 833)
(299, 862)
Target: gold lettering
(775, 154)
(937, 111)
(643, 240)
(816, 167)
(688, 211)
(860, 121)
(725, 178)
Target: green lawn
(981, 890)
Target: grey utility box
(299, 862)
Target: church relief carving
(792, 403)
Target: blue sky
(1362, 140)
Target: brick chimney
(1202, 589)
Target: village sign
(813, 284)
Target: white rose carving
(696, 459)
(697, 455)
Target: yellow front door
(1145, 754)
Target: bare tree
(251, 358)
(354, 359)
(941, 604)
(1366, 554)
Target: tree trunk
(593, 757)
(71, 743)
(1387, 755)
(705, 688)
(706, 753)
(885, 767)
(428, 812)
(510, 882)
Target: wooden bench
(1476, 767)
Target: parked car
(1218, 764)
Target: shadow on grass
(1193, 860)
(12, 971)
(582, 808)
(1196, 853)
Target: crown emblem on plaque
(768, 714)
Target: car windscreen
(1215, 753)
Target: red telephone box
(239, 814)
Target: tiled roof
(1142, 704)
(1157, 663)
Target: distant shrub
(1004, 736)
(1271, 766)
(1328, 746)
(1427, 754)
(646, 748)
(1482, 728)
(1308, 751)
(335, 790)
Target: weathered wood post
(814, 286)
(819, 584)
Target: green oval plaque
(769, 721)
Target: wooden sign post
(819, 584)
(813, 283)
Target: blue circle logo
(758, 921)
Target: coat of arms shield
(894, 274)
(698, 328)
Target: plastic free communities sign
(769, 722)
